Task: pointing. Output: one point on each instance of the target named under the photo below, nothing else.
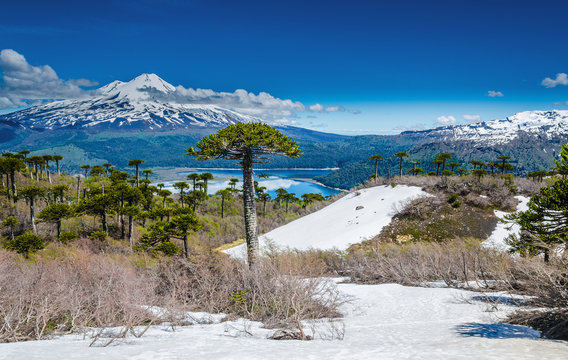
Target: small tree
(54, 214)
(86, 168)
(25, 244)
(181, 186)
(225, 194)
(545, 223)
(11, 222)
(182, 224)
(206, 176)
(248, 143)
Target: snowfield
(381, 322)
(356, 217)
(503, 229)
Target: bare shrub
(45, 297)
(457, 263)
(260, 294)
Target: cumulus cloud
(316, 107)
(561, 79)
(23, 82)
(471, 118)
(564, 103)
(446, 120)
(492, 93)
(336, 108)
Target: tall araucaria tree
(136, 163)
(504, 160)
(400, 156)
(57, 159)
(376, 158)
(248, 143)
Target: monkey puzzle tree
(400, 155)
(545, 223)
(206, 176)
(147, 173)
(181, 186)
(11, 222)
(193, 177)
(136, 163)
(54, 214)
(60, 189)
(12, 164)
(376, 158)
(182, 224)
(248, 143)
(453, 165)
(443, 157)
(225, 194)
(562, 165)
(86, 168)
(46, 160)
(503, 162)
(57, 159)
(25, 244)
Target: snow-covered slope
(502, 131)
(382, 322)
(352, 219)
(505, 228)
(123, 104)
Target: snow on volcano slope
(352, 219)
(503, 229)
(382, 322)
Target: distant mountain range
(125, 120)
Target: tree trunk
(12, 232)
(32, 214)
(546, 256)
(130, 231)
(8, 186)
(104, 221)
(400, 167)
(57, 164)
(137, 178)
(264, 208)
(376, 169)
(185, 245)
(78, 186)
(222, 206)
(249, 209)
(58, 229)
(13, 184)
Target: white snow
(382, 322)
(505, 228)
(340, 224)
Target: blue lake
(294, 181)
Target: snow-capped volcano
(137, 103)
(546, 124)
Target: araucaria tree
(31, 193)
(545, 223)
(247, 143)
(376, 158)
(400, 155)
(136, 163)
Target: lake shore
(171, 174)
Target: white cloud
(354, 111)
(446, 120)
(564, 103)
(471, 118)
(22, 81)
(316, 107)
(492, 93)
(334, 109)
(561, 79)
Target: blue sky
(403, 64)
